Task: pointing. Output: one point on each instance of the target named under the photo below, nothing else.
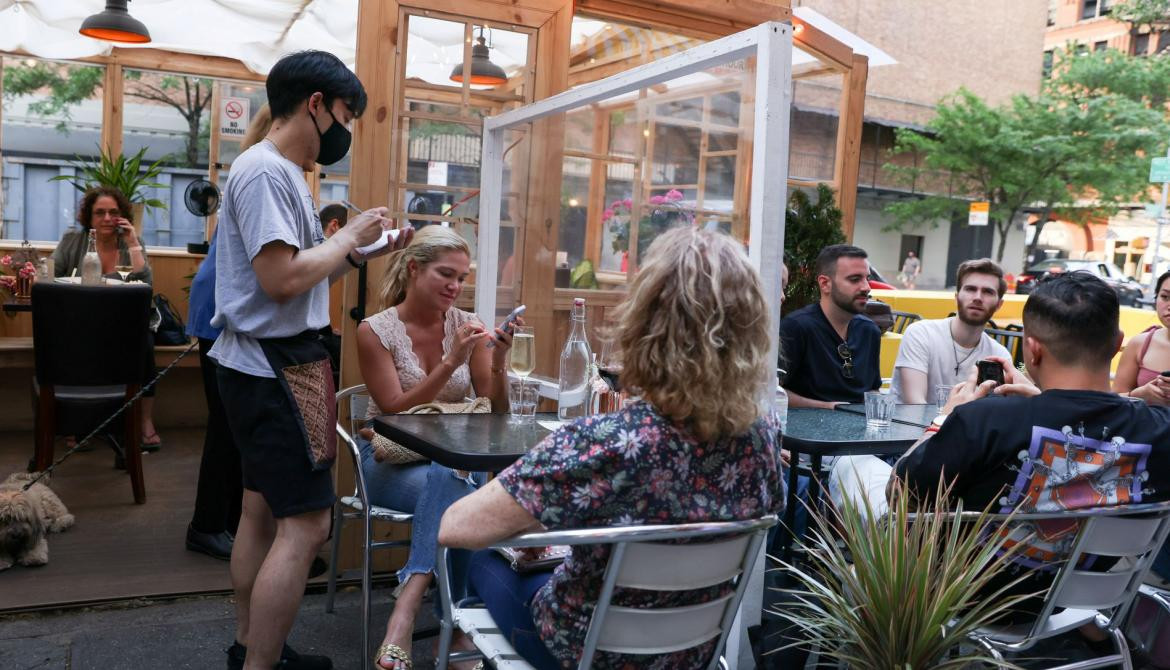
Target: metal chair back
(1012, 340)
(651, 558)
(1131, 533)
(360, 507)
(903, 319)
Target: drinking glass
(879, 409)
(522, 401)
(124, 270)
(522, 361)
(941, 395)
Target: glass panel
(681, 110)
(722, 141)
(676, 155)
(719, 186)
(52, 112)
(813, 131)
(725, 109)
(575, 209)
(233, 129)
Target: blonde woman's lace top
(392, 333)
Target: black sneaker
(216, 545)
(289, 659)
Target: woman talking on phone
(107, 212)
(423, 349)
(1147, 356)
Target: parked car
(1129, 291)
(876, 280)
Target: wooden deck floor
(117, 549)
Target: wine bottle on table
(91, 265)
(576, 375)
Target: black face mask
(334, 141)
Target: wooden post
(213, 155)
(849, 126)
(112, 103)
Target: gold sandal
(395, 652)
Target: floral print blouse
(635, 467)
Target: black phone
(1166, 373)
(989, 370)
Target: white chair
(357, 506)
(1131, 533)
(643, 557)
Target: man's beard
(845, 302)
(962, 314)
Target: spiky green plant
(125, 174)
(903, 591)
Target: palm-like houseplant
(902, 591)
(128, 175)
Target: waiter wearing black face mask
(273, 268)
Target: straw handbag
(389, 451)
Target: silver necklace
(955, 348)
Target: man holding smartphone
(1056, 438)
(273, 267)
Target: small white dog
(26, 517)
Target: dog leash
(149, 385)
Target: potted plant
(808, 227)
(668, 213)
(18, 270)
(900, 591)
(125, 174)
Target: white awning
(259, 32)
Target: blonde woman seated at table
(108, 213)
(1139, 373)
(423, 349)
(693, 332)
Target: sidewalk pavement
(187, 633)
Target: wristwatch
(937, 421)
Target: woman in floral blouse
(694, 335)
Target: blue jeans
(508, 597)
(425, 490)
(800, 520)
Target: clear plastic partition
(684, 140)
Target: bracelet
(498, 371)
(931, 430)
(352, 262)
(138, 248)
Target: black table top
(17, 305)
(477, 442)
(914, 415)
(825, 432)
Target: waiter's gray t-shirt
(927, 346)
(266, 200)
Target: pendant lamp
(115, 25)
(483, 70)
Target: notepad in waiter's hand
(531, 560)
(387, 235)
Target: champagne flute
(522, 361)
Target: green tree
(808, 227)
(60, 87)
(1076, 150)
(1151, 14)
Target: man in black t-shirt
(1065, 442)
(831, 350)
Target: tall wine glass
(522, 361)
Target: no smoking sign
(233, 117)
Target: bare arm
(286, 272)
(912, 384)
(797, 400)
(377, 367)
(489, 370)
(1127, 369)
(487, 516)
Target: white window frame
(771, 44)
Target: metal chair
(358, 506)
(1012, 340)
(1131, 533)
(903, 319)
(643, 557)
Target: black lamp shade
(115, 25)
(483, 70)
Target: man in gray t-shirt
(273, 269)
(941, 352)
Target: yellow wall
(938, 304)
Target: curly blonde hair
(693, 332)
(426, 247)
